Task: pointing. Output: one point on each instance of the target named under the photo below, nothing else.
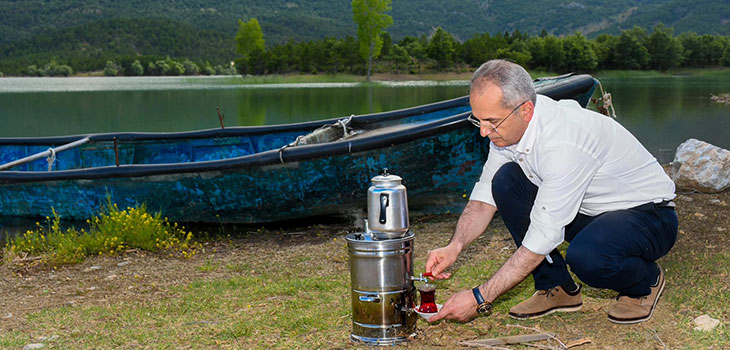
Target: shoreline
(425, 76)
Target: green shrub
(111, 69)
(191, 68)
(111, 232)
(137, 68)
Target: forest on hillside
(285, 20)
(170, 37)
(636, 48)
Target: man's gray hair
(514, 81)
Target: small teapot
(387, 207)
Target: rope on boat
(281, 152)
(607, 100)
(342, 122)
(51, 159)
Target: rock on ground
(34, 346)
(705, 323)
(701, 166)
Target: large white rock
(701, 166)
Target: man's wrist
(483, 307)
(455, 244)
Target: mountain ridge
(284, 20)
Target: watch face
(484, 308)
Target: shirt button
(521, 159)
(530, 176)
(527, 150)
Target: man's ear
(528, 109)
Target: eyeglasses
(478, 123)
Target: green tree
(332, 50)
(665, 51)
(416, 49)
(208, 69)
(224, 69)
(111, 69)
(481, 48)
(399, 56)
(693, 51)
(191, 68)
(349, 51)
(169, 66)
(137, 68)
(371, 19)
(176, 68)
(554, 53)
(249, 44)
(714, 46)
(630, 52)
(387, 44)
(517, 56)
(725, 59)
(579, 55)
(31, 70)
(442, 47)
(605, 48)
(63, 70)
(536, 47)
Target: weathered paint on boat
(241, 175)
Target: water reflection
(34, 109)
(660, 112)
(664, 112)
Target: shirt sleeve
(483, 188)
(567, 171)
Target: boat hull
(438, 170)
(245, 175)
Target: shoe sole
(651, 312)
(557, 309)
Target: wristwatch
(484, 308)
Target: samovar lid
(386, 180)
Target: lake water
(661, 112)
(59, 106)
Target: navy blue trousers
(614, 250)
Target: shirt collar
(529, 138)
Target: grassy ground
(289, 288)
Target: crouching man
(557, 172)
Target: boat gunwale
(270, 157)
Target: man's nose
(485, 130)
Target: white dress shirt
(582, 162)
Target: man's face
(486, 107)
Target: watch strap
(478, 295)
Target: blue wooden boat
(257, 174)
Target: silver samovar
(381, 267)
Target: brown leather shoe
(634, 310)
(545, 302)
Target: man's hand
(439, 259)
(461, 307)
